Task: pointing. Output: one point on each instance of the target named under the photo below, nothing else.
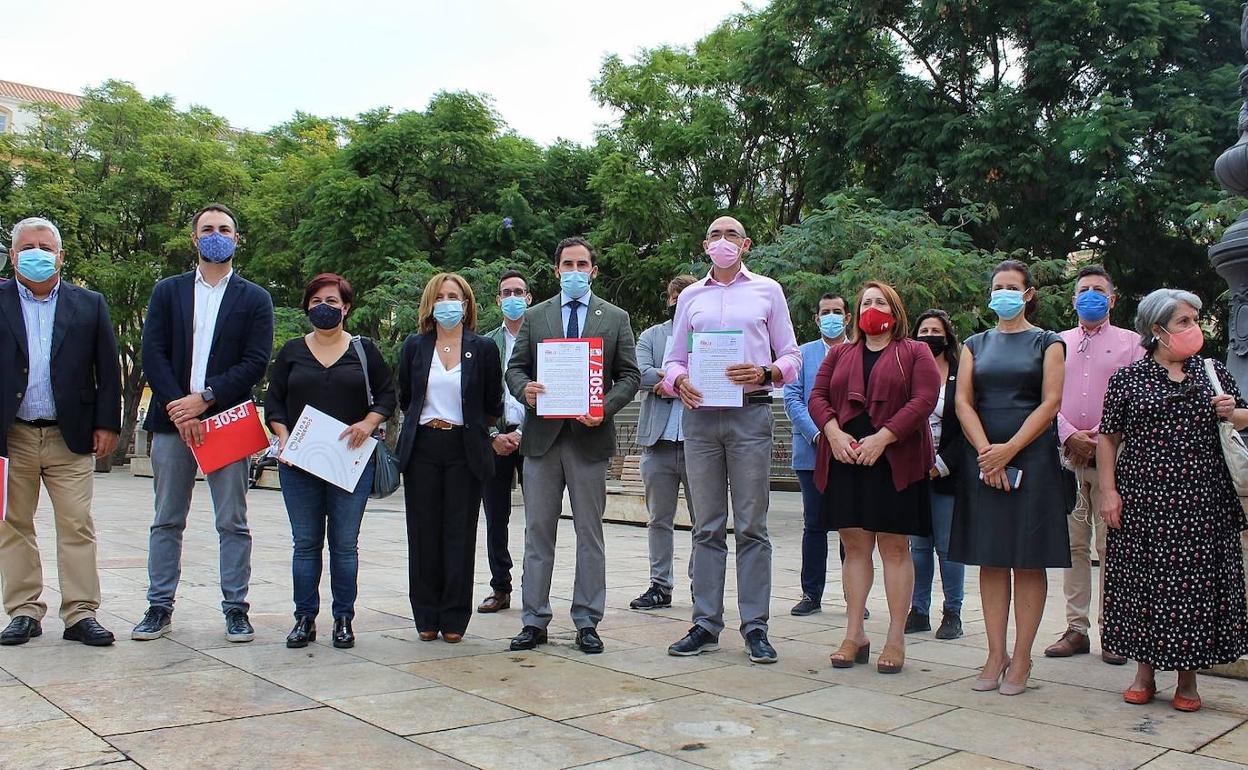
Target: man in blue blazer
(833, 319)
(207, 339)
(60, 408)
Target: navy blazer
(242, 344)
(481, 387)
(86, 376)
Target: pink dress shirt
(750, 303)
(1091, 359)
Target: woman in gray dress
(1013, 527)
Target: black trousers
(497, 504)
(442, 498)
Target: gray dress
(1024, 528)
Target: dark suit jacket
(86, 376)
(481, 385)
(951, 438)
(242, 344)
(544, 321)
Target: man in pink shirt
(731, 445)
(1095, 349)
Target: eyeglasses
(1187, 390)
(505, 293)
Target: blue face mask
(1007, 303)
(448, 313)
(832, 325)
(574, 283)
(216, 248)
(36, 265)
(1092, 306)
(514, 307)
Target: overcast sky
(256, 62)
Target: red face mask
(1186, 343)
(874, 321)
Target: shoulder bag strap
(1212, 374)
(359, 351)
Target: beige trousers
(1085, 527)
(35, 454)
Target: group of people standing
(906, 442)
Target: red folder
(230, 436)
(597, 379)
(4, 488)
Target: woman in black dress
(1174, 574)
(1009, 393)
(872, 400)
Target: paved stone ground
(193, 700)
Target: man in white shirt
(513, 298)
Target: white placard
(710, 355)
(314, 446)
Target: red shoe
(1140, 697)
(1181, 703)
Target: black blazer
(951, 438)
(86, 376)
(481, 384)
(242, 343)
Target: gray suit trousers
(729, 450)
(663, 472)
(545, 478)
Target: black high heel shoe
(303, 632)
(344, 637)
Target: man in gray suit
(569, 453)
(660, 434)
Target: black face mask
(936, 342)
(671, 311)
(325, 316)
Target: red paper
(597, 379)
(4, 488)
(230, 436)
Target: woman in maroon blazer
(872, 399)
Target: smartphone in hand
(1013, 476)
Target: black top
(298, 379)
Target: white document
(710, 355)
(314, 446)
(563, 369)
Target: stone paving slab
(194, 700)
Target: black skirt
(865, 497)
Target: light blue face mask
(448, 313)
(574, 283)
(1007, 303)
(832, 325)
(514, 307)
(36, 265)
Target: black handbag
(386, 465)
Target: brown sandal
(850, 654)
(896, 654)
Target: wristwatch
(207, 395)
(494, 433)
(766, 375)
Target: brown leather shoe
(499, 600)
(1072, 643)
(1113, 659)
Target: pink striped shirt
(1091, 359)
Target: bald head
(724, 226)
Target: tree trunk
(132, 383)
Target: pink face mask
(1186, 343)
(724, 253)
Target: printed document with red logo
(4, 488)
(230, 436)
(572, 371)
(710, 355)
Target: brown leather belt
(438, 424)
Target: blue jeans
(317, 508)
(951, 572)
(814, 538)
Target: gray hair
(1157, 309)
(35, 223)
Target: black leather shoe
(759, 648)
(917, 621)
(656, 597)
(807, 606)
(344, 637)
(156, 622)
(20, 630)
(238, 627)
(528, 638)
(588, 641)
(303, 632)
(697, 641)
(89, 632)
(950, 626)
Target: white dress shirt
(513, 410)
(207, 304)
(582, 311)
(443, 397)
